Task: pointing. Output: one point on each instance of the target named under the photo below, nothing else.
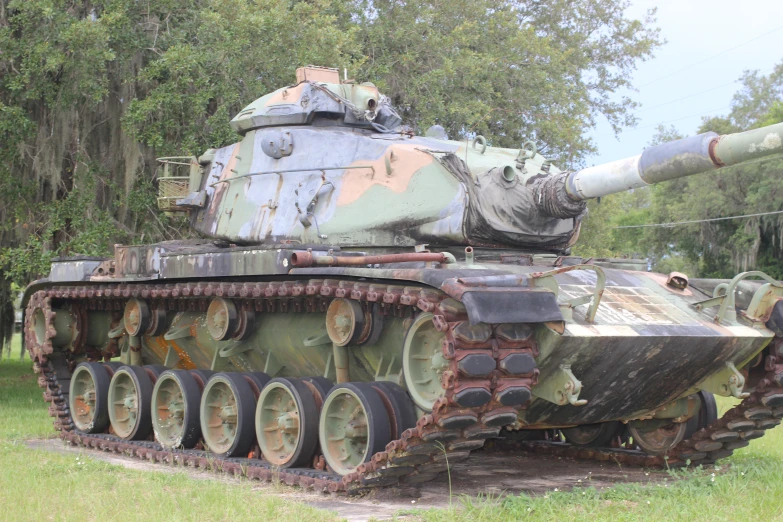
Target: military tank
(366, 307)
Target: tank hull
(539, 343)
(647, 345)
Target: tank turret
(325, 162)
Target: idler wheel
(287, 423)
(130, 398)
(88, 397)
(227, 407)
(40, 327)
(175, 409)
(592, 435)
(423, 362)
(354, 426)
(658, 439)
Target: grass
(746, 486)
(41, 485)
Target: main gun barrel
(675, 159)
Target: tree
(510, 70)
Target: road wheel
(354, 426)
(287, 423)
(130, 397)
(88, 397)
(227, 407)
(592, 435)
(175, 409)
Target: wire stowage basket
(172, 187)
(170, 190)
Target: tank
(366, 307)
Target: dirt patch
(485, 473)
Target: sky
(696, 31)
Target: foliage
(509, 70)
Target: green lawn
(40, 485)
(746, 486)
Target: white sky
(695, 30)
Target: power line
(669, 121)
(711, 57)
(684, 117)
(686, 97)
(675, 223)
(697, 93)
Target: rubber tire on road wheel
(112, 367)
(257, 381)
(190, 431)
(707, 415)
(101, 380)
(143, 391)
(677, 434)
(202, 376)
(322, 384)
(306, 407)
(154, 371)
(245, 404)
(400, 406)
(377, 424)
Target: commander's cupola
(319, 97)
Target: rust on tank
(307, 259)
(160, 347)
(480, 345)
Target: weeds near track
(448, 472)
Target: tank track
(446, 435)
(440, 439)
